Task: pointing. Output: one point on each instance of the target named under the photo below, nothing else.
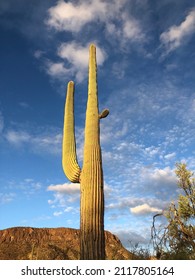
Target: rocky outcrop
(27, 243)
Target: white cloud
(144, 209)
(78, 58)
(78, 55)
(57, 69)
(131, 202)
(66, 16)
(75, 53)
(120, 25)
(165, 174)
(75, 59)
(177, 34)
(67, 188)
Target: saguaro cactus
(92, 240)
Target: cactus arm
(104, 114)
(69, 158)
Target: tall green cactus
(92, 240)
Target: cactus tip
(71, 86)
(71, 83)
(92, 47)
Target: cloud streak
(177, 35)
(7, 197)
(1, 122)
(37, 142)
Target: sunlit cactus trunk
(92, 193)
(92, 240)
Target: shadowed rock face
(27, 243)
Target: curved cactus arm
(69, 157)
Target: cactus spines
(92, 240)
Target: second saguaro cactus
(92, 239)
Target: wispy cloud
(131, 29)
(170, 156)
(65, 199)
(17, 137)
(26, 188)
(177, 35)
(37, 142)
(130, 237)
(24, 105)
(57, 213)
(1, 122)
(7, 197)
(38, 54)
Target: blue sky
(146, 62)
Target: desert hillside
(27, 243)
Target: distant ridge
(28, 243)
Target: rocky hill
(27, 243)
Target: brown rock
(27, 243)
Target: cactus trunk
(92, 240)
(92, 193)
